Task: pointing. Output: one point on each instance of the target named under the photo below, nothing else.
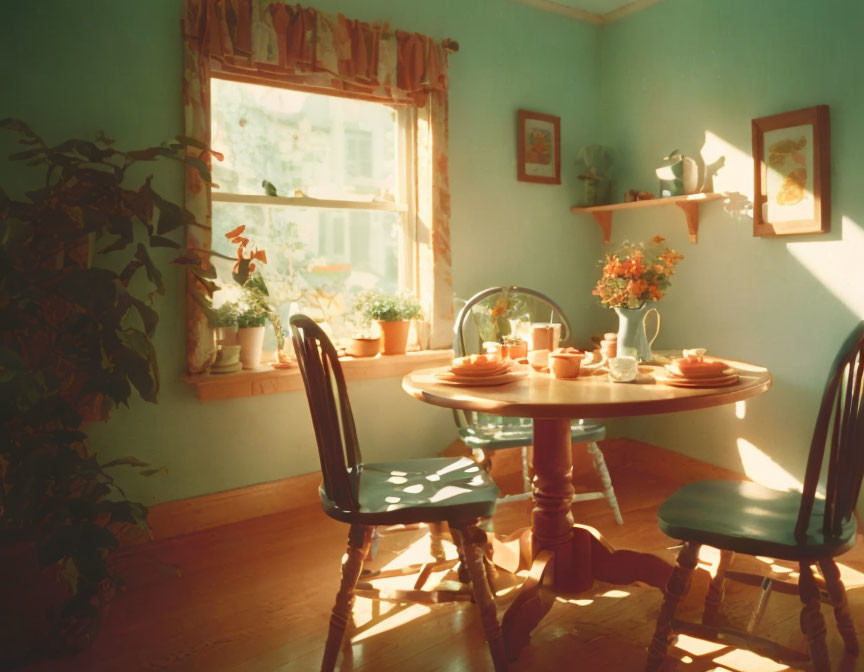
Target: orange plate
(478, 381)
(463, 372)
(674, 371)
(719, 381)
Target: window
(340, 222)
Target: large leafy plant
(77, 284)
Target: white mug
(622, 369)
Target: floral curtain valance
(276, 43)
(328, 50)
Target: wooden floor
(255, 596)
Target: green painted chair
(454, 491)
(486, 316)
(810, 528)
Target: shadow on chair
(437, 491)
(487, 316)
(807, 528)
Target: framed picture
(539, 148)
(792, 190)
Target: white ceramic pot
(250, 340)
(226, 335)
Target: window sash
(406, 206)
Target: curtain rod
(451, 45)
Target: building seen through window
(339, 168)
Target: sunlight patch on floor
(400, 615)
(747, 661)
(697, 647)
(572, 600)
(615, 594)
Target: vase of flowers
(633, 276)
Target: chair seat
(494, 437)
(749, 518)
(418, 491)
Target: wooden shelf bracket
(689, 206)
(691, 214)
(604, 221)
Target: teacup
(564, 364)
(623, 369)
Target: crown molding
(630, 8)
(589, 17)
(558, 8)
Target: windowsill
(267, 380)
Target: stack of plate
(710, 374)
(481, 370)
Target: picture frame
(538, 147)
(792, 184)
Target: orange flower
(657, 239)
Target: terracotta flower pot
(364, 347)
(394, 337)
(250, 340)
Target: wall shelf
(689, 204)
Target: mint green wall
(69, 68)
(681, 69)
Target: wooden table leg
(567, 557)
(552, 529)
(551, 521)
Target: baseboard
(187, 516)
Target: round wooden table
(568, 557)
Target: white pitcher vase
(632, 339)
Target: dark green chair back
(477, 322)
(332, 419)
(839, 430)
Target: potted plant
(76, 323)
(253, 307)
(253, 312)
(393, 313)
(224, 319)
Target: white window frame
(404, 203)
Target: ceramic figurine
(680, 176)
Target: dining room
(527, 333)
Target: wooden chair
(439, 490)
(807, 528)
(483, 433)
